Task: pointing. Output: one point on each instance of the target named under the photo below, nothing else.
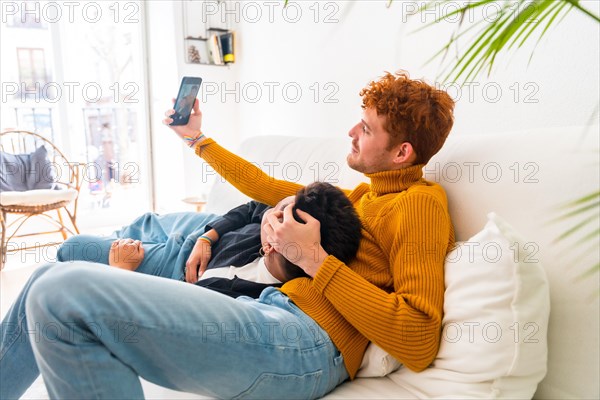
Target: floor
(20, 265)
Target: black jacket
(235, 287)
(238, 244)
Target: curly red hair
(414, 112)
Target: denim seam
(84, 366)
(13, 338)
(168, 330)
(283, 377)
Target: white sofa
(522, 176)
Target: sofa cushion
(37, 197)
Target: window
(32, 70)
(28, 15)
(80, 83)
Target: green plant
(581, 213)
(515, 23)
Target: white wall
(370, 38)
(178, 172)
(338, 47)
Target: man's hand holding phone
(194, 126)
(185, 118)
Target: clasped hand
(297, 242)
(197, 262)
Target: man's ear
(267, 249)
(405, 154)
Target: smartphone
(188, 91)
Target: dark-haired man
(233, 251)
(233, 255)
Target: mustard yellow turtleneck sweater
(393, 292)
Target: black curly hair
(340, 225)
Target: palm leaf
(586, 210)
(532, 26)
(575, 3)
(501, 34)
(589, 272)
(584, 199)
(510, 26)
(578, 211)
(475, 57)
(591, 235)
(557, 7)
(573, 230)
(453, 39)
(463, 10)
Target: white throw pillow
(496, 309)
(377, 362)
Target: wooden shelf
(203, 40)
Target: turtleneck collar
(395, 181)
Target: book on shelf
(218, 48)
(221, 46)
(214, 50)
(227, 41)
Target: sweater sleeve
(238, 217)
(244, 175)
(406, 322)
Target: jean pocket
(277, 386)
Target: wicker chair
(38, 203)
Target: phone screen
(188, 91)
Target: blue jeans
(94, 330)
(167, 240)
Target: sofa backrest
(525, 177)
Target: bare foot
(126, 254)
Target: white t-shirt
(255, 271)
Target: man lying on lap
(233, 255)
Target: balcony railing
(35, 119)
